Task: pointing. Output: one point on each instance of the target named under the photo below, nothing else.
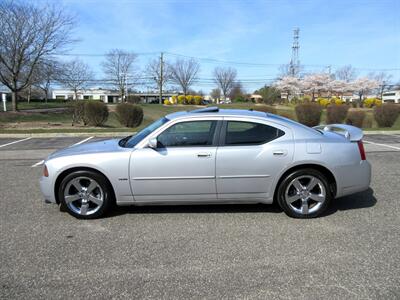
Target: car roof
(215, 111)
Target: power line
(219, 61)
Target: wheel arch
(66, 172)
(324, 170)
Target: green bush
(95, 113)
(265, 108)
(355, 118)
(78, 111)
(336, 113)
(386, 114)
(240, 98)
(309, 114)
(129, 115)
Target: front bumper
(46, 187)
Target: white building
(107, 96)
(391, 96)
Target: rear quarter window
(250, 133)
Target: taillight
(45, 171)
(361, 149)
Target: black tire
(103, 184)
(303, 174)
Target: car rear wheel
(85, 194)
(304, 194)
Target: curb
(65, 134)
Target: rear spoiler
(351, 133)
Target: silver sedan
(211, 156)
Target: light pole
(4, 102)
(161, 78)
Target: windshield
(132, 140)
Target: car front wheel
(304, 194)
(85, 194)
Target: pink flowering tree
(316, 83)
(363, 86)
(288, 84)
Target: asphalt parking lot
(229, 251)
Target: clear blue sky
(363, 33)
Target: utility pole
(294, 65)
(126, 87)
(161, 77)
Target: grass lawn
(57, 122)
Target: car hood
(89, 148)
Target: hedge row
(95, 113)
(310, 114)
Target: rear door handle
(279, 152)
(203, 154)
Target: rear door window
(250, 133)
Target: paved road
(229, 251)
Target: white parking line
(1, 146)
(383, 145)
(38, 164)
(81, 142)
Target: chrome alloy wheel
(305, 194)
(83, 195)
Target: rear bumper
(46, 188)
(353, 179)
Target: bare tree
(215, 94)
(119, 67)
(237, 91)
(346, 73)
(383, 80)
(225, 78)
(76, 76)
(160, 73)
(47, 72)
(29, 33)
(184, 73)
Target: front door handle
(203, 154)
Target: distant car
(211, 156)
(227, 101)
(206, 102)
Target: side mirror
(153, 143)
